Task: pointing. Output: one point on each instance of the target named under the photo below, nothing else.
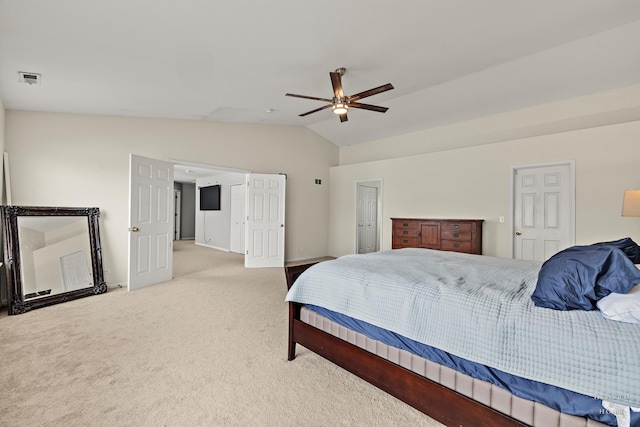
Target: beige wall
(83, 160)
(473, 182)
(2, 119)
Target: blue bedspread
(479, 308)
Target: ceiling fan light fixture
(339, 103)
(340, 108)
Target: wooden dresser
(460, 235)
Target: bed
(419, 324)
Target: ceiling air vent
(29, 78)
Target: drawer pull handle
(405, 232)
(456, 226)
(406, 224)
(456, 245)
(405, 241)
(456, 235)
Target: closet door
(544, 206)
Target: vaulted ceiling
(234, 61)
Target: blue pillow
(576, 278)
(628, 246)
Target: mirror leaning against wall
(51, 255)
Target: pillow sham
(626, 245)
(577, 277)
(622, 307)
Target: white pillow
(622, 307)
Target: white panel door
(75, 272)
(150, 222)
(543, 211)
(238, 215)
(367, 219)
(265, 220)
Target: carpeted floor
(205, 349)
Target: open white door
(265, 221)
(150, 221)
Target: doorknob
(518, 233)
(134, 229)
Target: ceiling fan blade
(336, 82)
(371, 92)
(316, 110)
(309, 97)
(343, 117)
(368, 107)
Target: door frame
(379, 184)
(177, 214)
(199, 168)
(572, 196)
(243, 189)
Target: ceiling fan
(340, 103)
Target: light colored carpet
(205, 349)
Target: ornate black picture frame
(18, 302)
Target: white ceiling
(232, 60)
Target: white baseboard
(213, 247)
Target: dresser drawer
(404, 234)
(453, 245)
(404, 242)
(410, 230)
(455, 235)
(405, 225)
(456, 226)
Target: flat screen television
(210, 198)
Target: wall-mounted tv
(210, 198)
